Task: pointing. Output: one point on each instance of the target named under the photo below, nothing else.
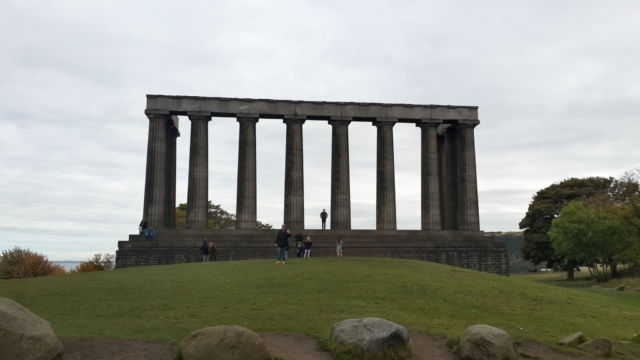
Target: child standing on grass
(339, 248)
(307, 247)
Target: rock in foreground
(598, 346)
(26, 336)
(224, 343)
(373, 335)
(484, 342)
(573, 339)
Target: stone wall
(464, 249)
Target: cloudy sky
(557, 83)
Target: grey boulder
(573, 339)
(26, 336)
(484, 342)
(598, 346)
(224, 343)
(370, 334)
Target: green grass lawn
(167, 302)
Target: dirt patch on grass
(115, 349)
(287, 346)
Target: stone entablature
(309, 110)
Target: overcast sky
(557, 84)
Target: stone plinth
(467, 249)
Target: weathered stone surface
(597, 346)
(573, 339)
(224, 343)
(370, 334)
(484, 342)
(26, 336)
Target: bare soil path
(287, 346)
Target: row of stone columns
(449, 199)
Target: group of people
(303, 245)
(209, 250)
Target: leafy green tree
(589, 234)
(544, 207)
(625, 193)
(217, 218)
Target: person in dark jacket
(204, 249)
(323, 217)
(282, 242)
(143, 226)
(307, 247)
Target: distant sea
(68, 265)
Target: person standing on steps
(213, 251)
(204, 249)
(339, 248)
(307, 247)
(323, 217)
(282, 243)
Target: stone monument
(450, 228)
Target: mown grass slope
(307, 296)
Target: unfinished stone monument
(450, 231)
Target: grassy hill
(167, 302)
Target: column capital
(199, 115)
(299, 120)
(340, 121)
(157, 114)
(429, 123)
(384, 122)
(247, 118)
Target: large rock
(370, 334)
(573, 339)
(224, 343)
(26, 336)
(598, 346)
(484, 342)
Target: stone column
(340, 182)
(294, 175)
(170, 208)
(385, 176)
(198, 191)
(467, 185)
(447, 168)
(430, 178)
(246, 214)
(155, 190)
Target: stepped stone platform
(467, 249)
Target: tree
(217, 218)
(625, 193)
(545, 206)
(591, 234)
(20, 263)
(99, 262)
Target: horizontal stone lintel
(310, 110)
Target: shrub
(99, 262)
(20, 263)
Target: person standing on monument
(282, 243)
(323, 217)
(143, 226)
(204, 249)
